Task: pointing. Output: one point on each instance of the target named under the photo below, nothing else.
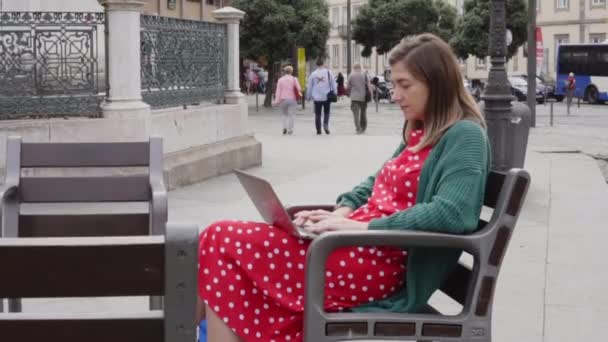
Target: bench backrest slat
(32, 328)
(41, 225)
(457, 284)
(494, 185)
(85, 154)
(85, 189)
(69, 268)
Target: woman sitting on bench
(251, 275)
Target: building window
(344, 55)
(596, 38)
(516, 62)
(562, 4)
(343, 16)
(335, 15)
(459, 7)
(335, 56)
(561, 39)
(367, 61)
(480, 63)
(356, 54)
(598, 3)
(355, 12)
(546, 60)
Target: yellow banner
(302, 67)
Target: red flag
(539, 50)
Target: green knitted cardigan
(449, 200)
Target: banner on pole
(539, 50)
(302, 67)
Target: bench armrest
(158, 207)
(7, 190)
(325, 244)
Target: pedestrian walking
(286, 96)
(340, 83)
(570, 87)
(360, 92)
(321, 89)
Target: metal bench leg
(156, 303)
(14, 305)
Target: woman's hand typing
(307, 217)
(333, 223)
(323, 220)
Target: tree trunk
(271, 85)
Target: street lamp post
(508, 123)
(348, 39)
(532, 60)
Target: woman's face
(410, 93)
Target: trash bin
(508, 130)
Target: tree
(272, 28)
(473, 28)
(383, 23)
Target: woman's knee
(215, 230)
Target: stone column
(124, 61)
(231, 17)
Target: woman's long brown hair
(431, 60)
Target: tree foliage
(472, 29)
(383, 23)
(272, 28)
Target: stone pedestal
(124, 65)
(232, 17)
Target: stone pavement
(552, 286)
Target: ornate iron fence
(49, 64)
(183, 62)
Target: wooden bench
(145, 187)
(161, 265)
(473, 288)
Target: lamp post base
(508, 130)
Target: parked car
(547, 86)
(519, 89)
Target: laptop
(268, 204)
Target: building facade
(185, 9)
(560, 22)
(336, 44)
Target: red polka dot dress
(251, 274)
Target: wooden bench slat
(46, 266)
(85, 154)
(29, 327)
(85, 189)
(83, 225)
